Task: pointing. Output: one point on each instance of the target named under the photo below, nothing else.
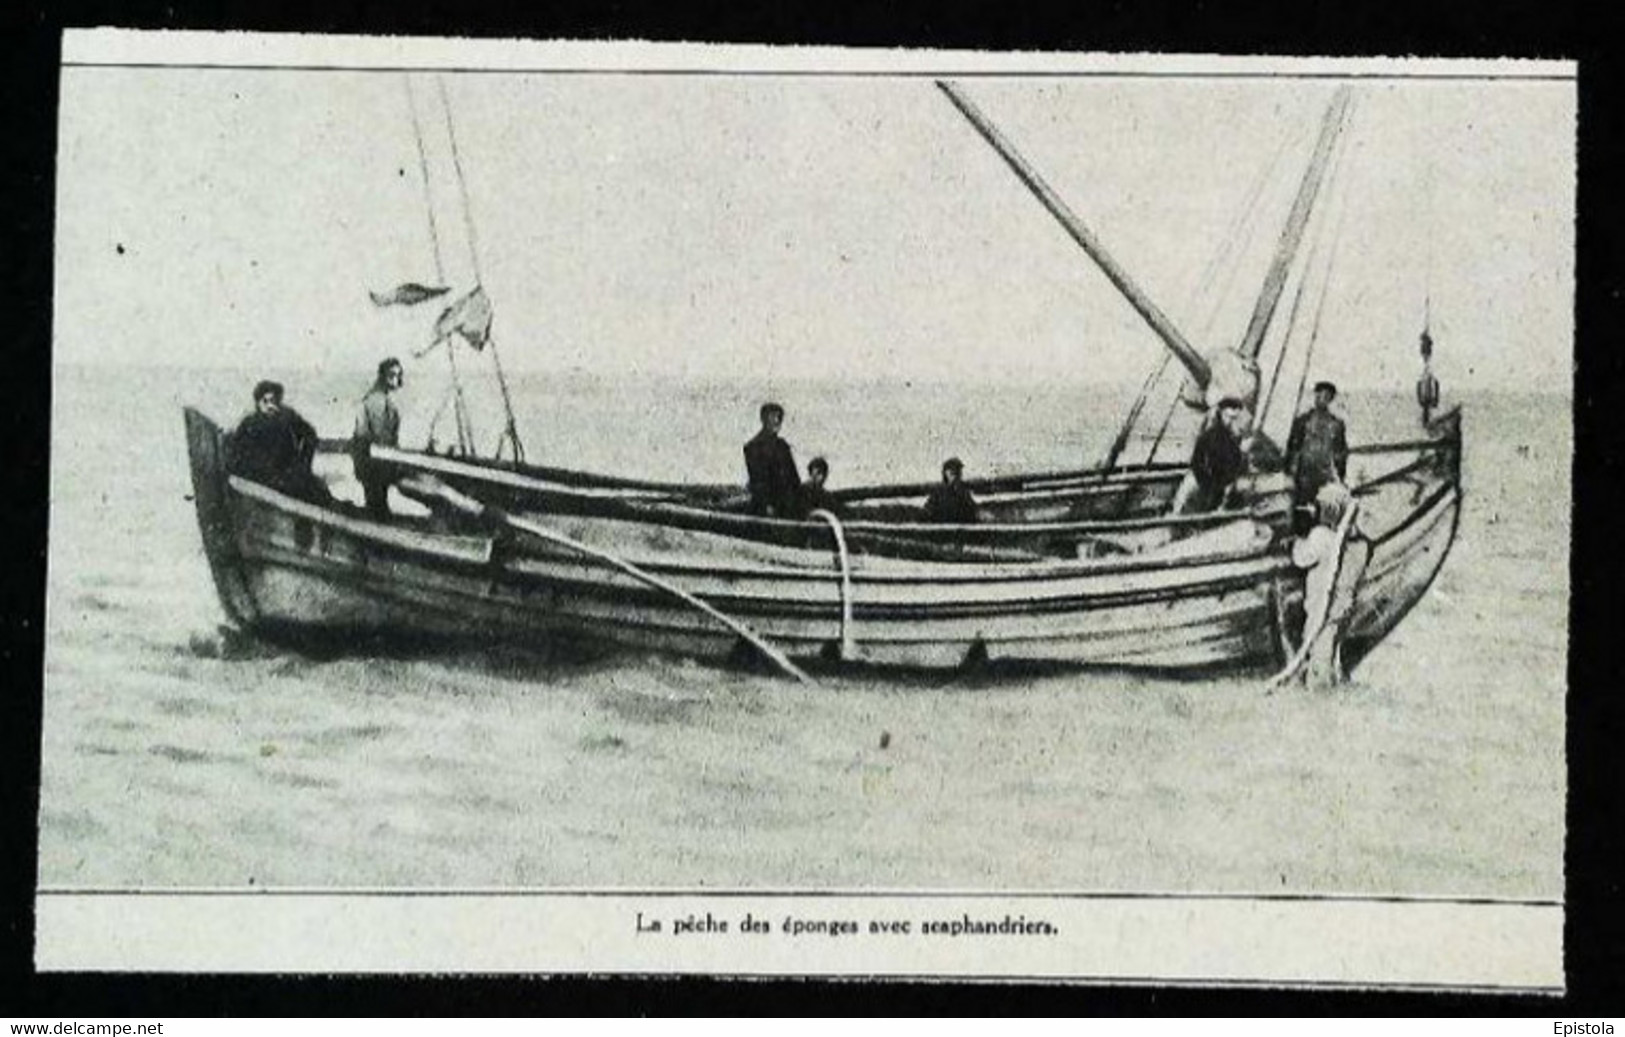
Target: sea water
(175, 756)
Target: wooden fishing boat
(1217, 593)
(1091, 566)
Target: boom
(1170, 335)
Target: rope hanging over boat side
(510, 434)
(848, 646)
(426, 486)
(773, 655)
(1315, 623)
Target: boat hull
(302, 567)
(284, 566)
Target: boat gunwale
(1418, 512)
(474, 549)
(479, 551)
(872, 526)
(650, 499)
(1359, 645)
(564, 478)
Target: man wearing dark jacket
(1218, 461)
(951, 501)
(771, 468)
(812, 496)
(1317, 451)
(273, 446)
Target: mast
(1240, 231)
(1297, 220)
(1080, 233)
(465, 429)
(1427, 386)
(510, 434)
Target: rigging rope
(1331, 132)
(462, 183)
(1326, 281)
(1133, 418)
(465, 428)
(1243, 227)
(1291, 323)
(511, 433)
(1427, 223)
(1340, 188)
(423, 170)
(1320, 306)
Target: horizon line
(1048, 380)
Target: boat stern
(205, 447)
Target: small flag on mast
(409, 294)
(469, 317)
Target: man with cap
(770, 467)
(273, 446)
(1218, 460)
(1317, 451)
(951, 501)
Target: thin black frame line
(740, 894)
(1447, 77)
(945, 977)
(1093, 979)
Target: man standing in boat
(274, 446)
(1218, 460)
(1317, 451)
(951, 501)
(377, 422)
(770, 465)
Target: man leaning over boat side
(1264, 456)
(377, 421)
(1333, 570)
(1217, 460)
(770, 467)
(273, 445)
(1317, 450)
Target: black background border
(1595, 867)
